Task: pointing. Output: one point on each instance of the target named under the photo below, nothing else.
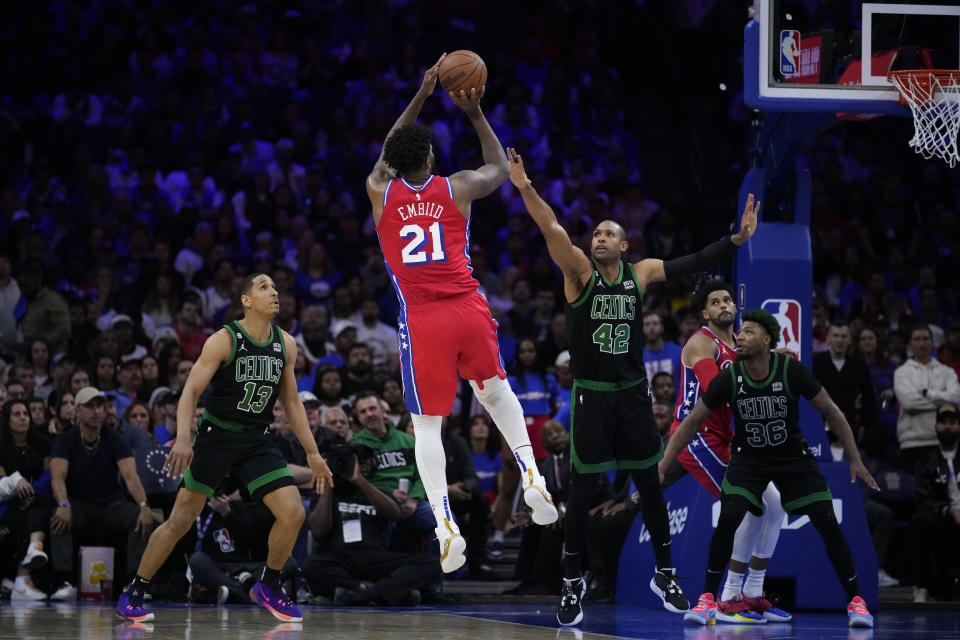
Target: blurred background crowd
(152, 153)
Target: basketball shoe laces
(859, 608)
(571, 593)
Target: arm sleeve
(706, 371)
(801, 380)
(708, 257)
(718, 391)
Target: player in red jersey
(445, 325)
(708, 351)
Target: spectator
(106, 373)
(381, 338)
(335, 419)
(86, 463)
(662, 388)
(187, 326)
(324, 437)
(487, 456)
(38, 413)
(847, 379)
(63, 413)
(9, 297)
(881, 374)
(25, 502)
(467, 501)
(949, 352)
(313, 338)
(935, 528)
(47, 316)
(922, 384)
(23, 373)
(78, 380)
(316, 276)
(329, 389)
(164, 402)
(129, 380)
(351, 562)
(168, 358)
(358, 370)
(39, 357)
(658, 354)
(549, 350)
(218, 295)
(181, 373)
(344, 337)
(138, 417)
(392, 394)
(536, 390)
(663, 416)
(149, 375)
(564, 378)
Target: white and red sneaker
(705, 612)
(858, 614)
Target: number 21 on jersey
(416, 251)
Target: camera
(341, 458)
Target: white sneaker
(452, 546)
(66, 592)
(222, 594)
(537, 497)
(920, 594)
(35, 557)
(884, 579)
(23, 589)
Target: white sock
(501, 403)
(732, 586)
(498, 536)
(753, 587)
(432, 464)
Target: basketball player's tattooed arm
(381, 174)
(216, 350)
(655, 270)
(471, 185)
(683, 435)
(841, 428)
(572, 261)
(293, 407)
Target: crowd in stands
(152, 153)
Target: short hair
(16, 368)
(766, 320)
(246, 283)
(703, 293)
(659, 374)
(363, 395)
(839, 323)
(919, 327)
(407, 148)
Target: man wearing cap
(84, 464)
(130, 378)
(123, 328)
(163, 403)
(344, 336)
(921, 385)
(935, 529)
(324, 437)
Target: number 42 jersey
(424, 238)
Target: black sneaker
(570, 611)
(665, 585)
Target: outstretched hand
(857, 470)
(748, 222)
(430, 77)
(518, 175)
(469, 102)
(322, 477)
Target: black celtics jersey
(605, 329)
(246, 385)
(766, 412)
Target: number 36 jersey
(425, 238)
(605, 329)
(766, 412)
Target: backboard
(808, 56)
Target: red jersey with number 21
(424, 239)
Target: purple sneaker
(132, 610)
(276, 602)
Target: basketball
(463, 70)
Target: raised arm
(841, 428)
(655, 270)
(381, 173)
(471, 185)
(572, 261)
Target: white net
(934, 99)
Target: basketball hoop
(933, 96)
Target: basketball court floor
(26, 621)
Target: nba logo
(789, 52)
(787, 313)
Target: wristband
(144, 504)
(65, 505)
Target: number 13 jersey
(424, 238)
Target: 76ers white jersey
(718, 423)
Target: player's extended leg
(767, 534)
(825, 522)
(432, 466)
(498, 399)
(583, 487)
(287, 508)
(187, 507)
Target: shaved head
(615, 226)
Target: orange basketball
(462, 70)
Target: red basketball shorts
(441, 342)
(706, 458)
